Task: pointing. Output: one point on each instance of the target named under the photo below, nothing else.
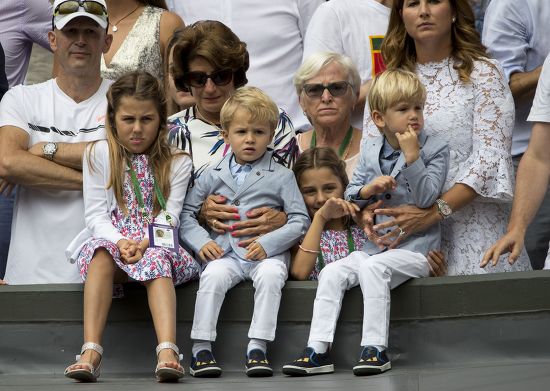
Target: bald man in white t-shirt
(44, 129)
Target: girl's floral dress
(157, 262)
(334, 246)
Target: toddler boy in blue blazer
(402, 166)
(249, 178)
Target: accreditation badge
(163, 236)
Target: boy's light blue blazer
(419, 184)
(268, 184)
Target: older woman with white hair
(328, 88)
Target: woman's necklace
(115, 28)
(344, 147)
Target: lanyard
(351, 248)
(343, 146)
(139, 196)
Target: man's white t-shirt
(45, 221)
(540, 112)
(354, 28)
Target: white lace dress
(476, 120)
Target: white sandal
(90, 374)
(168, 374)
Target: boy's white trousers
(268, 277)
(376, 275)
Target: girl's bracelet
(307, 250)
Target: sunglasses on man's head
(338, 88)
(199, 79)
(72, 6)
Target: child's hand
(378, 185)
(408, 142)
(367, 223)
(437, 263)
(130, 251)
(210, 251)
(255, 252)
(336, 207)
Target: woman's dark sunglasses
(199, 79)
(72, 6)
(336, 89)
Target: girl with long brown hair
(134, 186)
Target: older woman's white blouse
(476, 120)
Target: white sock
(200, 345)
(256, 343)
(318, 346)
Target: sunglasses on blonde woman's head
(72, 6)
(336, 89)
(198, 79)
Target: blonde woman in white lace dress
(470, 106)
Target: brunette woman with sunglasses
(141, 30)
(210, 62)
(328, 88)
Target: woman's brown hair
(399, 51)
(155, 3)
(217, 44)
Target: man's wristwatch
(49, 150)
(443, 208)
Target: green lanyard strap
(351, 248)
(139, 196)
(343, 145)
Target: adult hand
(365, 220)
(6, 187)
(407, 219)
(437, 263)
(214, 212)
(260, 221)
(511, 243)
(210, 251)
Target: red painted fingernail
(233, 234)
(230, 228)
(236, 217)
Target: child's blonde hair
(144, 87)
(394, 86)
(260, 106)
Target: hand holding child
(408, 142)
(378, 185)
(210, 251)
(437, 263)
(335, 208)
(255, 252)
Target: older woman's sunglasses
(72, 6)
(199, 79)
(338, 88)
